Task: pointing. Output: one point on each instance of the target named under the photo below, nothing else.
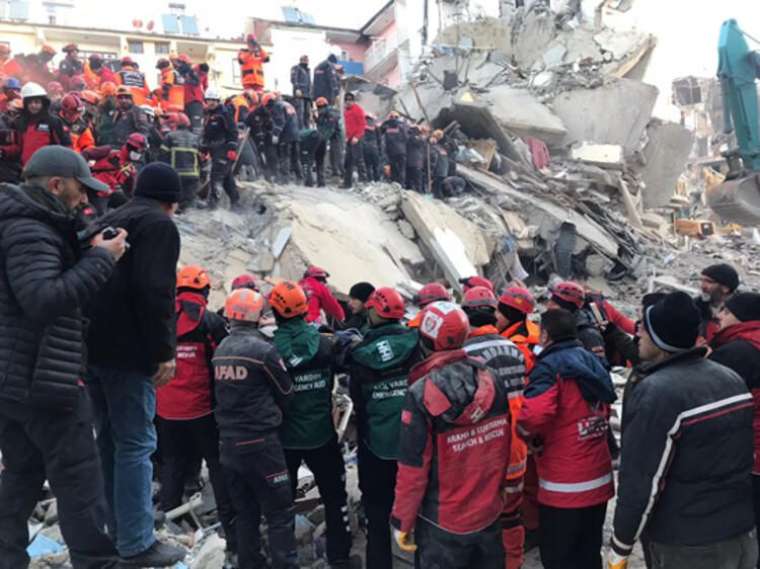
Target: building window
(235, 70)
(135, 46)
(162, 48)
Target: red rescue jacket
(320, 298)
(565, 413)
(189, 394)
(356, 122)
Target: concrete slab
(535, 32)
(615, 113)
(603, 155)
(457, 244)
(666, 155)
(521, 113)
(485, 33)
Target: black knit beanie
(158, 181)
(744, 305)
(724, 274)
(361, 291)
(673, 323)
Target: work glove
(231, 155)
(299, 93)
(275, 139)
(405, 541)
(616, 561)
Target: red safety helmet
(388, 303)
(244, 304)
(570, 292)
(126, 60)
(444, 325)
(250, 38)
(245, 280)
(137, 141)
(123, 91)
(192, 276)
(183, 58)
(479, 297)
(321, 102)
(288, 299)
(471, 282)
(518, 298)
(431, 292)
(5, 49)
(71, 104)
(316, 272)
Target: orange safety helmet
(123, 92)
(194, 277)
(108, 88)
(244, 304)
(90, 97)
(321, 102)
(445, 326)
(288, 300)
(387, 302)
(518, 298)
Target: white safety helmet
(212, 94)
(31, 90)
(148, 110)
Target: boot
(308, 177)
(320, 178)
(157, 555)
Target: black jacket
(45, 282)
(328, 122)
(395, 135)
(687, 455)
(300, 78)
(284, 122)
(416, 152)
(132, 319)
(326, 82)
(219, 130)
(126, 123)
(180, 151)
(251, 384)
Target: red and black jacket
(34, 132)
(189, 395)
(455, 446)
(565, 412)
(738, 347)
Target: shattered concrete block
(485, 33)
(456, 243)
(406, 229)
(211, 554)
(554, 56)
(615, 113)
(665, 155)
(603, 155)
(520, 112)
(535, 32)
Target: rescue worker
(117, 168)
(10, 170)
(308, 434)
(107, 110)
(36, 127)
(372, 146)
(328, 125)
(96, 72)
(36, 66)
(439, 164)
(252, 59)
(309, 140)
(571, 296)
(133, 79)
(379, 369)
(515, 306)
(220, 140)
(314, 284)
(128, 119)
(284, 136)
(71, 66)
(253, 391)
(687, 452)
(74, 123)
(195, 82)
(167, 82)
(431, 292)
(395, 136)
(9, 66)
(55, 94)
(416, 153)
(180, 151)
(355, 121)
(11, 91)
(507, 363)
(737, 346)
(185, 406)
(717, 283)
(300, 79)
(454, 451)
(358, 317)
(326, 82)
(260, 124)
(564, 419)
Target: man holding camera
(46, 281)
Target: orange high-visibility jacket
(252, 68)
